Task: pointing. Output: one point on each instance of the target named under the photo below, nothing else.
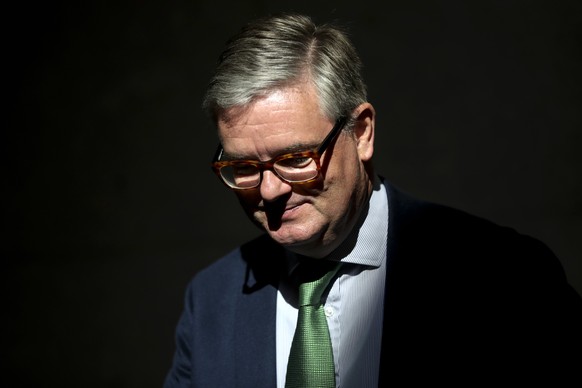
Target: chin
(291, 237)
(292, 233)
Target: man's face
(313, 218)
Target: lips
(289, 211)
(276, 213)
(273, 207)
(292, 207)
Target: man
(423, 294)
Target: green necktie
(311, 357)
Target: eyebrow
(293, 148)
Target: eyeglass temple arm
(218, 153)
(339, 124)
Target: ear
(365, 117)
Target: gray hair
(277, 51)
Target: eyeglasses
(296, 167)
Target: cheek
(343, 174)
(249, 199)
(343, 184)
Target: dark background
(109, 205)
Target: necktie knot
(311, 290)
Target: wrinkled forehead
(287, 106)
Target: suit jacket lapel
(255, 343)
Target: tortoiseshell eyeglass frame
(315, 154)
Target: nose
(273, 187)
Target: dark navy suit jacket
(467, 302)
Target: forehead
(284, 119)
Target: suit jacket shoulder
(468, 300)
(226, 334)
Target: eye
(244, 169)
(295, 162)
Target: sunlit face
(314, 218)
